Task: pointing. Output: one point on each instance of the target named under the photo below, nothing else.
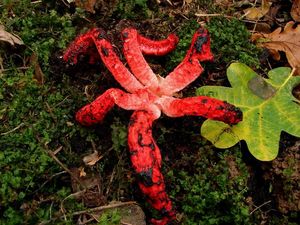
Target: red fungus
(149, 95)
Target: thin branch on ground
(50, 111)
(258, 207)
(37, 2)
(51, 153)
(14, 129)
(110, 181)
(47, 181)
(100, 208)
(76, 194)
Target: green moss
(119, 135)
(213, 193)
(112, 217)
(34, 118)
(185, 33)
(230, 41)
(132, 9)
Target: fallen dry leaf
(223, 3)
(9, 38)
(255, 13)
(286, 40)
(92, 159)
(295, 11)
(38, 73)
(87, 5)
(82, 173)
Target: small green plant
(35, 118)
(132, 9)
(119, 135)
(229, 42)
(34, 29)
(185, 33)
(111, 217)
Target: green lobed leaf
(268, 107)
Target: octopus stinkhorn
(148, 95)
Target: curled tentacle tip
(202, 31)
(99, 33)
(201, 45)
(127, 31)
(174, 38)
(239, 114)
(235, 116)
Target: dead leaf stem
(100, 208)
(53, 156)
(258, 207)
(14, 129)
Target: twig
(54, 175)
(57, 150)
(76, 194)
(18, 68)
(110, 181)
(16, 128)
(185, 17)
(113, 174)
(66, 4)
(65, 168)
(52, 154)
(37, 2)
(100, 208)
(1, 65)
(50, 210)
(89, 211)
(58, 104)
(170, 2)
(260, 206)
(51, 112)
(213, 15)
(255, 25)
(225, 16)
(94, 146)
(123, 223)
(87, 221)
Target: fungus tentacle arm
(146, 160)
(96, 37)
(94, 112)
(157, 48)
(207, 107)
(183, 75)
(189, 69)
(115, 66)
(136, 61)
(81, 45)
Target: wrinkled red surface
(148, 95)
(146, 161)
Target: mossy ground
(37, 116)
